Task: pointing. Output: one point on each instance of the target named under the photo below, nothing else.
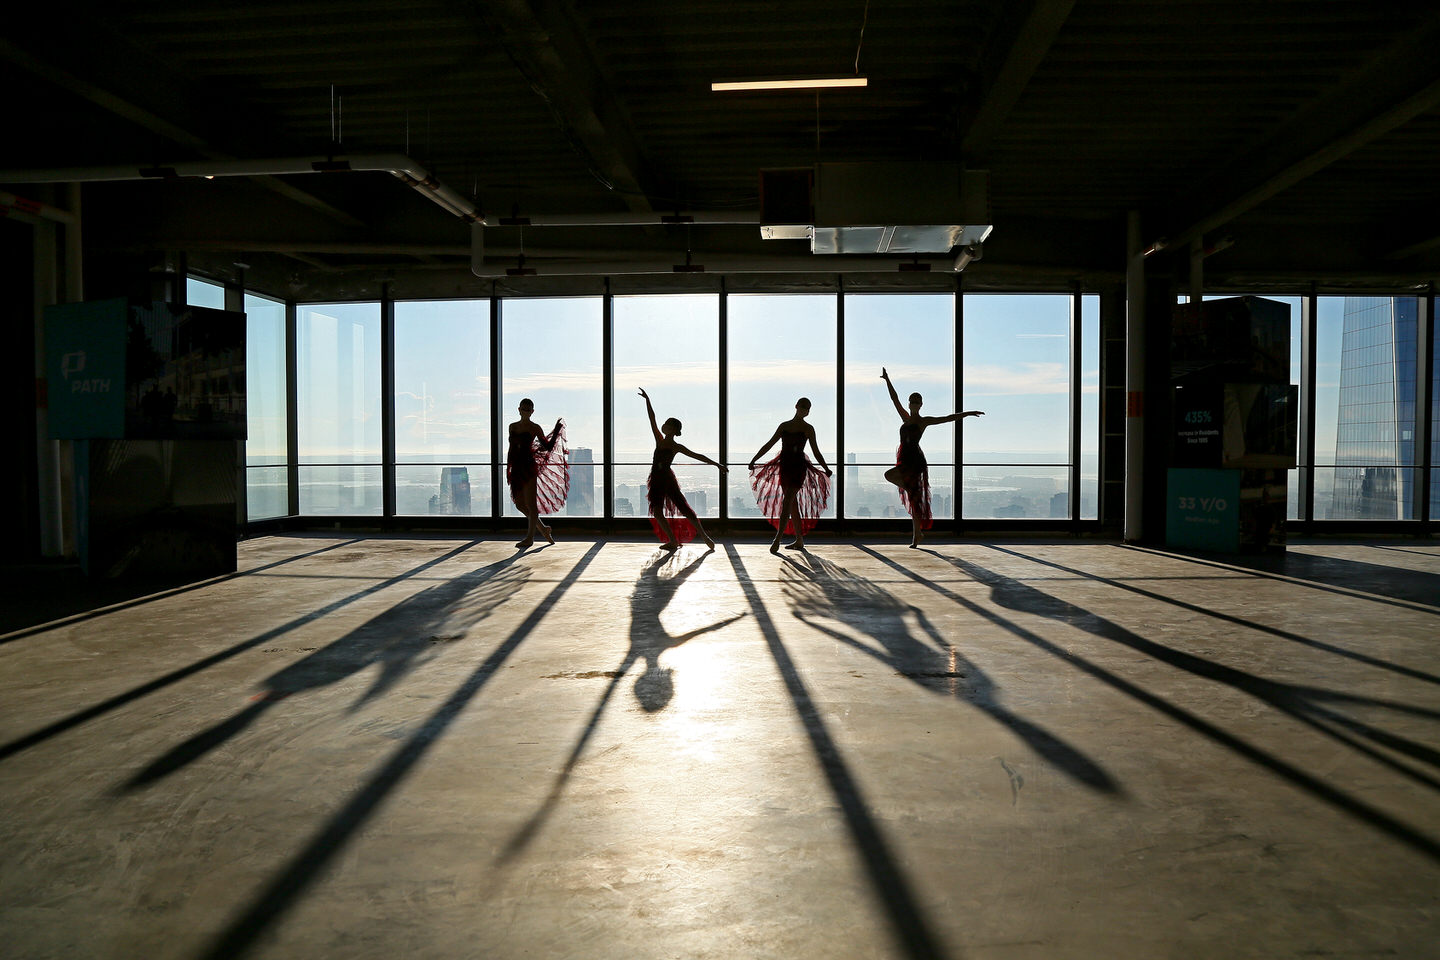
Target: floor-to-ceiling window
(552, 354)
(912, 336)
(670, 347)
(204, 293)
(267, 490)
(782, 348)
(442, 408)
(1365, 450)
(338, 408)
(1017, 368)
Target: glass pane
(442, 407)
(447, 490)
(782, 347)
(1017, 369)
(913, 337)
(1365, 407)
(203, 293)
(1435, 429)
(265, 399)
(869, 496)
(343, 491)
(551, 354)
(267, 493)
(670, 346)
(1016, 493)
(700, 484)
(1089, 407)
(442, 381)
(338, 394)
(1365, 493)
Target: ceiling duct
(866, 208)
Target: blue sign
(1203, 509)
(85, 369)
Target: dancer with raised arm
(538, 471)
(791, 491)
(911, 473)
(671, 516)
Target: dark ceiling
(1306, 132)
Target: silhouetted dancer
(790, 490)
(911, 472)
(538, 471)
(672, 517)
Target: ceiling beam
(170, 118)
(1036, 33)
(1395, 86)
(546, 44)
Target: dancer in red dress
(538, 471)
(791, 491)
(671, 516)
(911, 472)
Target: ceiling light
(792, 83)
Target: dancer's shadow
(654, 688)
(819, 591)
(1314, 706)
(398, 641)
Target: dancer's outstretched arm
(894, 397)
(680, 447)
(931, 421)
(816, 450)
(768, 444)
(651, 411)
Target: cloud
(993, 380)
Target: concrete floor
(442, 748)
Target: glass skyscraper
(1375, 427)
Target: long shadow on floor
(654, 591)
(397, 641)
(820, 591)
(1313, 706)
(891, 886)
(42, 598)
(240, 936)
(1314, 786)
(175, 676)
(1411, 589)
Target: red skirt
(915, 492)
(549, 468)
(769, 481)
(663, 492)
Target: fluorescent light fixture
(792, 83)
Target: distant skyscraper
(581, 500)
(698, 503)
(1375, 424)
(852, 473)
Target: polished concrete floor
(442, 748)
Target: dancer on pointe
(791, 491)
(538, 471)
(671, 516)
(911, 473)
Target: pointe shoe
(775, 545)
(795, 545)
(545, 532)
(670, 547)
(709, 544)
(525, 544)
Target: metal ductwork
(397, 165)
(870, 208)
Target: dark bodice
(662, 458)
(792, 444)
(910, 433)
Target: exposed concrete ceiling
(1307, 133)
